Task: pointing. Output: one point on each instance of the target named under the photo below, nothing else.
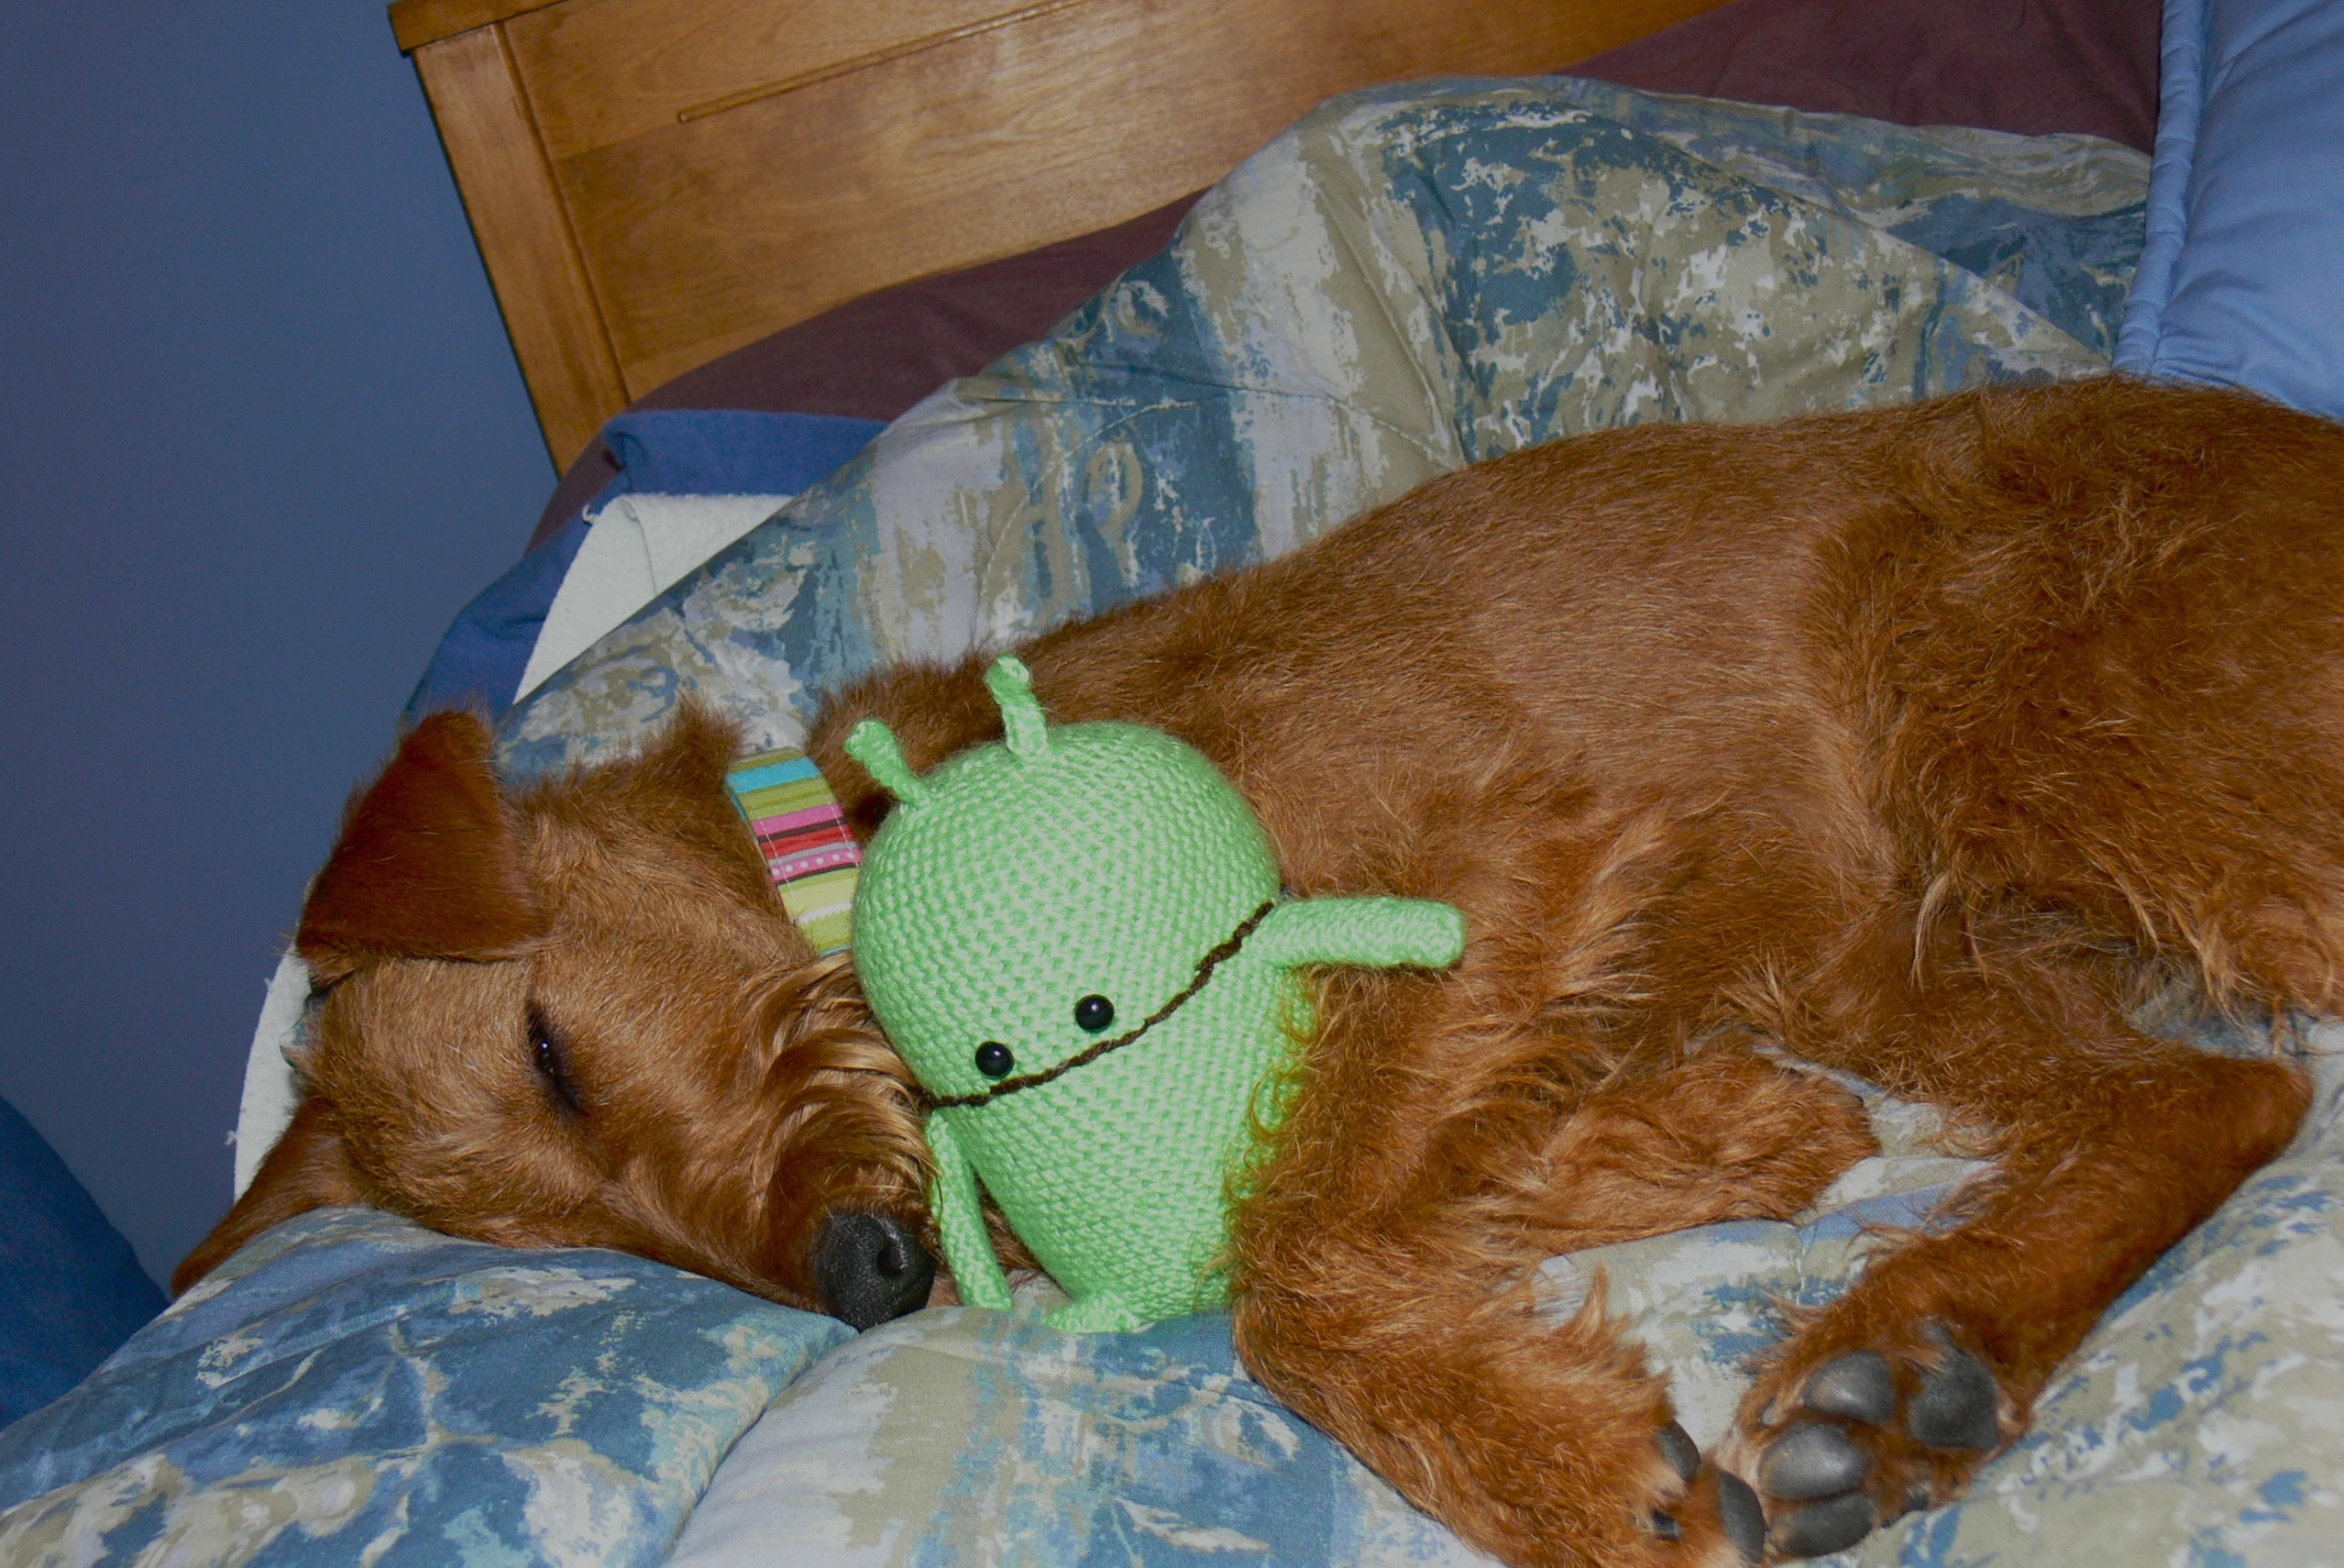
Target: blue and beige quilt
(1410, 280)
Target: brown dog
(1925, 742)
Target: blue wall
(261, 435)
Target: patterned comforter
(1408, 280)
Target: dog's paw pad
(1868, 1436)
(1956, 1404)
(1818, 1528)
(1860, 1386)
(1813, 1459)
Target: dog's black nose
(870, 1270)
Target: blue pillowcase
(729, 452)
(479, 660)
(69, 1288)
(2242, 282)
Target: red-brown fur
(1926, 743)
(724, 1073)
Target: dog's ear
(675, 787)
(309, 1169)
(691, 756)
(935, 712)
(429, 864)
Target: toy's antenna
(874, 745)
(1020, 714)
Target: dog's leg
(2112, 1146)
(1724, 1135)
(1386, 1262)
(2091, 662)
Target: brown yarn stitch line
(1204, 968)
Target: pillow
(685, 486)
(354, 1388)
(2242, 280)
(69, 1288)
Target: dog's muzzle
(870, 1270)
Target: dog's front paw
(1841, 1445)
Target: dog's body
(1926, 743)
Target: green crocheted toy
(1075, 937)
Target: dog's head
(579, 1015)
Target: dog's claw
(1813, 1459)
(1859, 1387)
(1832, 1525)
(1744, 1518)
(1740, 1514)
(1677, 1447)
(1956, 1404)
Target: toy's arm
(1383, 933)
(960, 1219)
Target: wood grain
(415, 23)
(541, 283)
(605, 71)
(730, 167)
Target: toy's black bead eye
(994, 1059)
(1093, 1012)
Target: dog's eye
(994, 1059)
(550, 1059)
(1093, 1012)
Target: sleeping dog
(1924, 744)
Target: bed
(1088, 374)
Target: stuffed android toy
(1076, 939)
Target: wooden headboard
(656, 182)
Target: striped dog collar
(808, 849)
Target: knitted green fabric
(1075, 937)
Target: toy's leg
(2114, 1145)
(960, 1222)
(1385, 1263)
